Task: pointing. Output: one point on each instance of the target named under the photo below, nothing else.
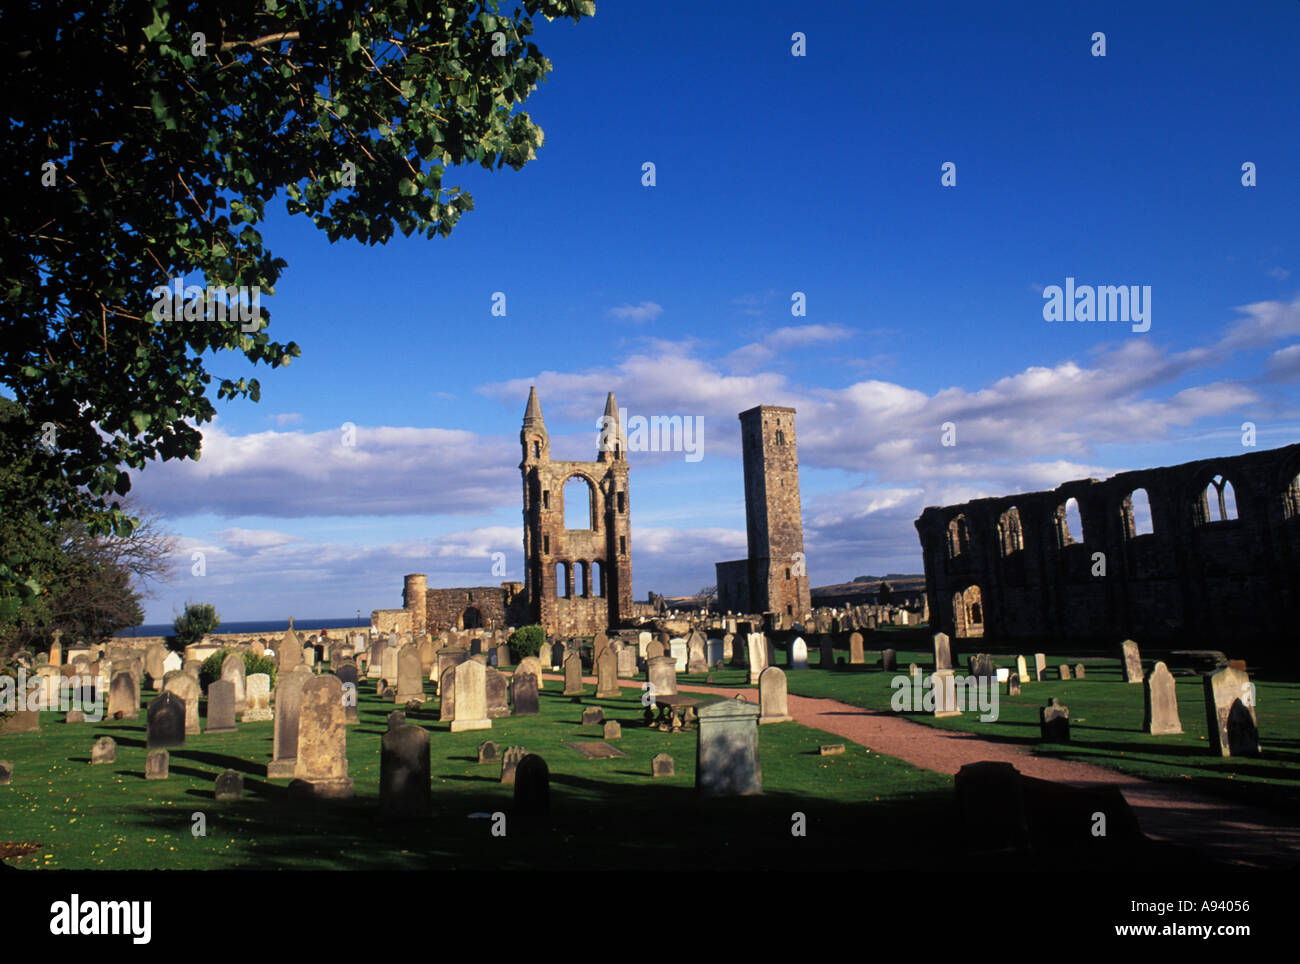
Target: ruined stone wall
(733, 586)
(1016, 567)
(778, 576)
(475, 607)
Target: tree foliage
(197, 621)
(526, 641)
(145, 141)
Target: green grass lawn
(1105, 721)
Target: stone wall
(1018, 567)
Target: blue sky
(775, 174)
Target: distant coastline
(251, 626)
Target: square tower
(778, 572)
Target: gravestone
(544, 655)
(714, 652)
(496, 691)
(1079, 671)
(233, 670)
(1132, 660)
(388, 666)
(599, 644)
(395, 719)
(510, 762)
(889, 660)
(410, 676)
(229, 787)
(756, 649)
(626, 662)
(350, 677)
(487, 752)
(944, 687)
(532, 787)
(654, 649)
(1230, 713)
(696, 656)
(289, 652)
(187, 689)
(469, 697)
(593, 716)
(503, 655)
(1040, 667)
(980, 666)
(530, 665)
(772, 697)
(156, 763)
(221, 707)
(913, 669)
(154, 657)
(288, 709)
(172, 663)
(678, 650)
(827, 653)
(661, 765)
(191, 668)
(1022, 668)
(375, 659)
(404, 768)
(523, 692)
(607, 674)
(165, 726)
(447, 695)
(257, 698)
(798, 654)
(727, 750)
(1160, 710)
(1065, 671)
(1013, 684)
(1054, 722)
(322, 766)
(104, 750)
(855, 649)
(123, 697)
(661, 672)
(613, 731)
(448, 657)
(573, 675)
(991, 798)
(942, 651)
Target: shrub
(197, 621)
(526, 641)
(210, 671)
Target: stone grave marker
(187, 689)
(756, 649)
(942, 652)
(410, 675)
(889, 660)
(104, 750)
(1022, 668)
(165, 722)
(1079, 671)
(1132, 659)
(855, 649)
(607, 674)
(221, 707)
(573, 674)
(696, 656)
(487, 752)
(532, 787)
(661, 672)
(1040, 667)
(322, 765)
(1013, 684)
(234, 671)
(772, 697)
(661, 765)
(1065, 671)
(678, 650)
(229, 787)
(827, 653)
(350, 677)
(288, 710)
(944, 687)
(257, 698)
(530, 665)
(1160, 711)
(469, 697)
(156, 763)
(1054, 722)
(798, 654)
(404, 770)
(727, 750)
(1230, 713)
(496, 690)
(613, 731)
(593, 716)
(123, 697)
(510, 762)
(991, 798)
(523, 692)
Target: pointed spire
(611, 406)
(533, 413)
(613, 443)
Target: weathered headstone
(1160, 711)
(1054, 722)
(756, 650)
(855, 649)
(696, 656)
(1013, 684)
(165, 722)
(410, 676)
(395, 719)
(234, 671)
(288, 710)
(6, 773)
(404, 768)
(257, 698)
(727, 761)
(523, 692)
(533, 665)
(607, 674)
(942, 651)
(532, 787)
(991, 798)
(497, 692)
(1079, 671)
(1132, 659)
(661, 765)
(221, 707)
(1040, 667)
(487, 752)
(573, 674)
(289, 652)
(104, 750)
(469, 697)
(613, 730)
(1230, 713)
(1064, 670)
(510, 762)
(661, 672)
(229, 787)
(772, 697)
(827, 653)
(1022, 669)
(123, 697)
(154, 657)
(187, 690)
(593, 716)
(544, 655)
(944, 687)
(889, 660)
(654, 649)
(678, 650)
(322, 765)
(156, 763)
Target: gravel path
(1228, 831)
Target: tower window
(537, 450)
(620, 502)
(546, 545)
(546, 498)
(787, 574)
(622, 545)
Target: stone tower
(415, 591)
(778, 573)
(579, 580)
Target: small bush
(526, 641)
(210, 671)
(197, 621)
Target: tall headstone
(855, 649)
(166, 722)
(1230, 713)
(530, 665)
(350, 677)
(1040, 667)
(123, 697)
(410, 676)
(1160, 711)
(678, 650)
(1065, 671)
(827, 652)
(942, 652)
(404, 768)
(234, 671)
(991, 798)
(523, 692)
(544, 655)
(1022, 669)
(532, 787)
(607, 674)
(798, 654)
(187, 690)
(154, 657)
(496, 691)
(756, 649)
(1132, 661)
(322, 765)
(573, 674)
(288, 709)
(773, 700)
(661, 673)
(257, 698)
(599, 644)
(221, 707)
(944, 687)
(388, 666)
(289, 652)
(696, 656)
(469, 707)
(727, 761)
(889, 660)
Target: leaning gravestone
(798, 654)
(469, 697)
(1230, 713)
(1054, 722)
(221, 707)
(257, 698)
(727, 761)
(523, 692)
(322, 766)
(942, 652)
(233, 670)
(607, 674)
(166, 722)
(187, 689)
(532, 787)
(1160, 712)
(288, 709)
(573, 674)
(510, 762)
(1022, 669)
(104, 750)
(772, 696)
(156, 763)
(1132, 661)
(404, 767)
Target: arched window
(584, 571)
(579, 503)
(600, 579)
(1069, 524)
(1137, 514)
(958, 537)
(563, 580)
(1220, 500)
(1010, 535)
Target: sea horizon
(253, 626)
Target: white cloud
(645, 311)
